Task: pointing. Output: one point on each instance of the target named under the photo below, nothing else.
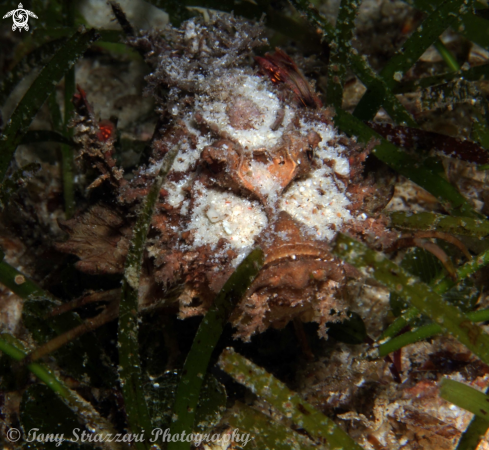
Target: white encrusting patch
(186, 159)
(175, 191)
(187, 156)
(217, 214)
(319, 202)
(237, 85)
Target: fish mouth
(294, 252)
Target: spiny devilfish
(259, 163)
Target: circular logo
(13, 435)
(20, 18)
